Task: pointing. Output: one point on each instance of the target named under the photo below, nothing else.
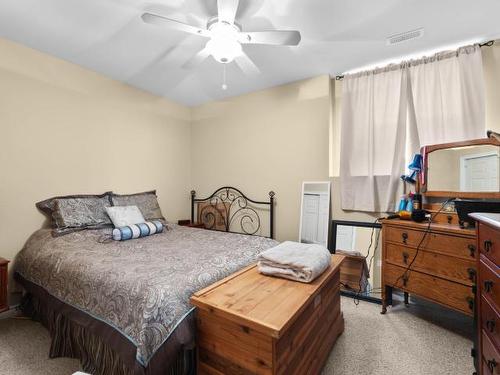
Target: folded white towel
(295, 261)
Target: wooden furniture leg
(407, 302)
(386, 298)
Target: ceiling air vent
(403, 37)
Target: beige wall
(268, 140)
(66, 130)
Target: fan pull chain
(224, 85)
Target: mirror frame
(333, 244)
(329, 183)
(426, 150)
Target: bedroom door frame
(463, 160)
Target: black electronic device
(419, 215)
(464, 207)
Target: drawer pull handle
(405, 257)
(472, 250)
(449, 218)
(490, 324)
(404, 236)
(487, 245)
(492, 364)
(488, 286)
(470, 302)
(472, 274)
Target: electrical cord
(377, 241)
(357, 294)
(406, 273)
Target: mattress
(137, 289)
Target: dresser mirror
(315, 213)
(468, 169)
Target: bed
(122, 307)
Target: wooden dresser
(444, 271)
(488, 293)
(249, 323)
(4, 304)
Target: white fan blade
(227, 10)
(276, 37)
(249, 8)
(155, 19)
(197, 59)
(246, 64)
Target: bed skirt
(101, 349)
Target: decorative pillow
(48, 206)
(72, 214)
(121, 216)
(147, 203)
(137, 230)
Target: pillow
(147, 203)
(137, 230)
(77, 213)
(121, 216)
(48, 206)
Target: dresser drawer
(490, 320)
(491, 357)
(448, 267)
(448, 293)
(489, 243)
(453, 245)
(489, 280)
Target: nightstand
(188, 223)
(4, 274)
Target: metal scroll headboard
(229, 210)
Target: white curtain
(387, 114)
(449, 96)
(373, 133)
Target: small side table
(188, 223)
(4, 276)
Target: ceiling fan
(225, 36)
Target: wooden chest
(488, 293)
(249, 323)
(438, 263)
(4, 305)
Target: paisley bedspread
(140, 287)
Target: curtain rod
(489, 43)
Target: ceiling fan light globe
(221, 29)
(224, 50)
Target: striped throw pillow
(137, 230)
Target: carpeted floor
(421, 340)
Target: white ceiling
(109, 37)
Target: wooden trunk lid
(266, 304)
